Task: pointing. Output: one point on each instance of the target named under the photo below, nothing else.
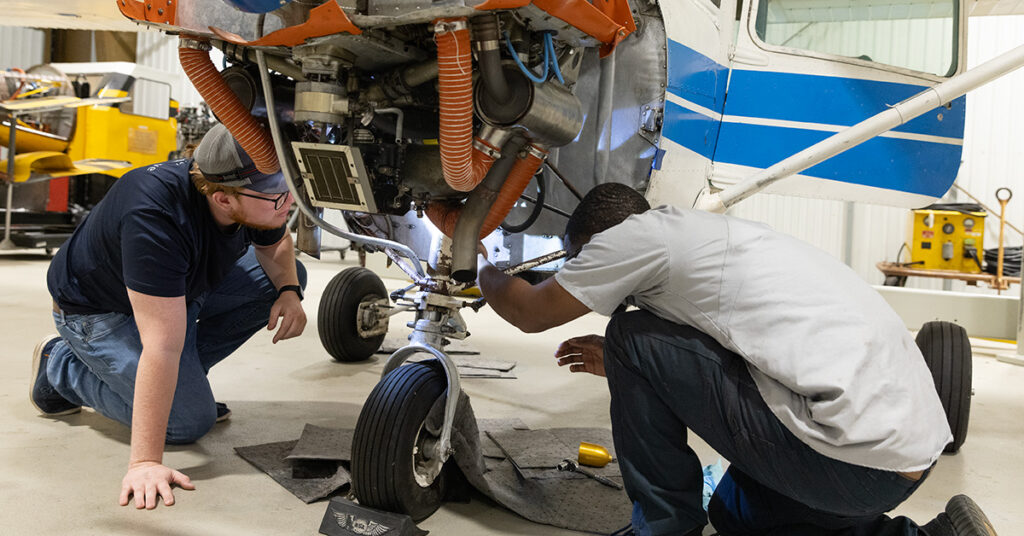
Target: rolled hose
(464, 166)
(253, 138)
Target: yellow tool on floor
(593, 455)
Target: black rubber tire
(382, 446)
(947, 352)
(339, 305)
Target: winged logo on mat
(362, 527)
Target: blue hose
(550, 60)
(550, 57)
(515, 55)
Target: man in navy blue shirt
(178, 266)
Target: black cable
(538, 205)
(1011, 261)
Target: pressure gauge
(968, 223)
(948, 228)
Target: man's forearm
(500, 290)
(531, 308)
(278, 261)
(155, 383)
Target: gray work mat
(538, 452)
(271, 458)
(540, 493)
(561, 499)
(319, 443)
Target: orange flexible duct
(225, 104)
(514, 186)
(463, 165)
(445, 215)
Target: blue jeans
(95, 363)
(666, 378)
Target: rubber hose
(463, 165)
(514, 186)
(538, 207)
(445, 215)
(253, 138)
(485, 30)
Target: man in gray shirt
(776, 354)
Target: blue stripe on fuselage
(907, 165)
(834, 101)
(696, 77)
(896, 164)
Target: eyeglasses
(278, 200)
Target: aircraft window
(915, 34)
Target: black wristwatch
(294, 288)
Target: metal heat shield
(335, 176)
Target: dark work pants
(665, 378)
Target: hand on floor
(148, 480)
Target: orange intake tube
(463, 165)
(514, 186)
(445, 215)
(253, 138)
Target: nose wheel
(394, 461)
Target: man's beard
(237, 217)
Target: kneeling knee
(184, 431)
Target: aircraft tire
(390, 440)
(339, 306)
(947, 352)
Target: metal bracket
(451, 372)
(372, 318)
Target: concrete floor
(62, 476)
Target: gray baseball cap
(223, 161)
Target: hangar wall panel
(21, 47)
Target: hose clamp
(537, 152)
(486, 148)
(195, 44)
(450, 26)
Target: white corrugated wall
(21, 47)
(160, 51)
(862, 234)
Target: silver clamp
(486, 149)
(195, 44)
(533, 150)
(451, 26)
